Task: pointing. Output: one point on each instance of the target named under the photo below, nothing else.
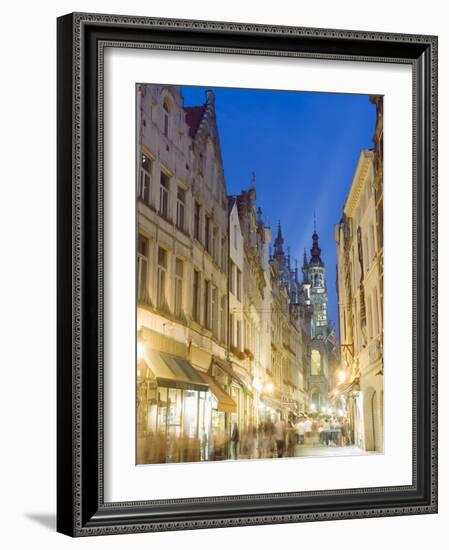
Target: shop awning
(173, 372)
(225, 401)
(228, 369)
(343, 389)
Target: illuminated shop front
(174, 408)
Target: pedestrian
(308, 429)
(279, 435)
(325, 431)
(301, 430)
(235, 436)
(204, 445)
(291, 438)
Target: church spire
(279, 242)
(315, 251)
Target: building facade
(225, 330)
(359, 238)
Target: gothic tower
(315, 275)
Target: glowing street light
(341, 376)
(313, 407)
(269, 387)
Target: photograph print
(259, 274)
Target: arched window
(166, 107)
(316, 280)
(316, 363)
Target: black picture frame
(81, 510)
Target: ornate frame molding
(81, 42)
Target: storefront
(223, 407)
(174, 408)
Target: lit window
(316, 363)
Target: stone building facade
(223, 327)
(359, 238)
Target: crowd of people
(280, 438)
(269, 439)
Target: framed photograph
(247, 276)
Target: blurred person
(235, 437)
(301, 430)
(279, 436)
(204, 445)
(308, 429)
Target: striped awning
(173, 372)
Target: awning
(272, 403)
(225, 401)
(343, 389)
(173, 372)
(227, 368)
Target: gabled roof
(194, 116)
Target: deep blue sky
(303, 148)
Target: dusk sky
(303, 148)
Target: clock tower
(314, 276)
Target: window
(180, 207)
(163, 197)
(145, 179)
(179, 275)
(207, 304)
(376, 313)
(161, 277)
(239, 284)
(196, 296)
(214, 311)
(223, 253)
(231, 276)
(142, 269)
(239, 334)
(196, 221)
(369, 316)
(373, 240)
(223, 318)
(215, 243)
(231, 329)
(366, 258)
(316, 363)
(166, 111)
(207, 234)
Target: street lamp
(269, 387)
